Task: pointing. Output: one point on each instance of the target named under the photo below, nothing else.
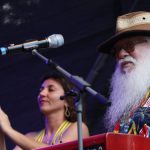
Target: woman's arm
(19, 139)
(2, 141)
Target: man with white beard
(130, 84)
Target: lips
(125, 63)
(42, 101)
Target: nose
(122, 54)
(43, 92)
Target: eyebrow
(49, 86)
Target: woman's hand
(4, 121)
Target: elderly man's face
(129, 50)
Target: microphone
(53, 41)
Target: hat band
(141, 27)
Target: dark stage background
(84, 24)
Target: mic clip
(71, 93)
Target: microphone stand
(81, 86)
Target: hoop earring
(67, 112)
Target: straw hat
(131, 24)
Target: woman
(59, 117)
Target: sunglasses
(128, 45)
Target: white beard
(128, 89)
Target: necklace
(58, 135)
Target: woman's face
(49, 96)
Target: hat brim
(106, 47)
